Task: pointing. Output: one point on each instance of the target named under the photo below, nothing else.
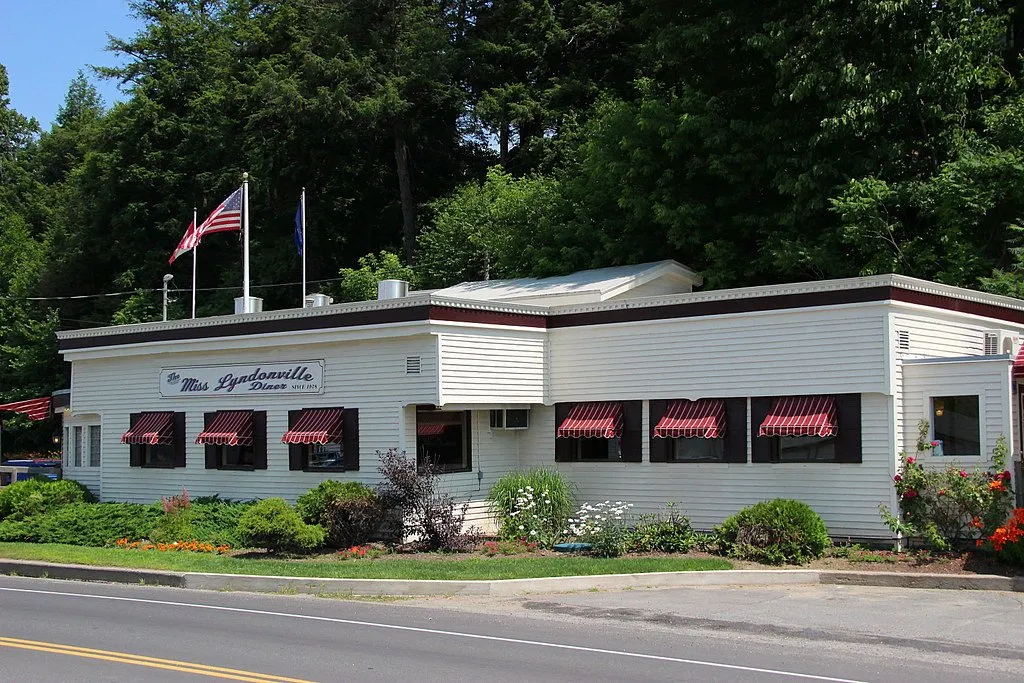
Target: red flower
(910, 493)
(910, 460)
(935, 444)
(897, 478)
(1006, 476)
(963, 473)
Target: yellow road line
(152, 662)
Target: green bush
(348, 511)
(276, 526)
(666, 533)
(774, 532)
(35, 496)
(217, 522)
(89, 524)
(535, 505)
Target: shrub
(667, 533)
(274, 525)
(217, 522)
(35, 496)
(89, 524)
(432, 516)
(1008, 539)
(601, 525)
(348, 511)
(535, 505)
(176, 522)
(774, 532)
(950, 507)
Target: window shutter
(469, 440)
(848, 440)
(760, 446)
(179, 439)
(735, 445)
(211, 450)
(350, 438)
(259, 439)
(659, 447)
(632, 431)
(134, 449)
(296, 456)
(564, 451)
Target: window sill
(327, 469)
(445, 470)
(236, 468)
(157, 467)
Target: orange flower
(996, 485)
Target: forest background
(450, 140)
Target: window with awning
(155, 439)
(599, 431)
(235, 439)
(597, 420)
(323, 439)
(801, 416)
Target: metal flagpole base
(250, 304)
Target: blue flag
(298, 228)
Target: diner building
(631, 383)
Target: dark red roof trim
(621, 315)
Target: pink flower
(897, 478)
(935, 444)
(963, 473)
(910, 460)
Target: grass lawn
(394, 567)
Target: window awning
(315, 425)
(700, 419)
(430, 428)
(33, 408)
(152, 429)
(228, 428)
(801, 416)
(592, 420)
(1018, 364)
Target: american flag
(225, 218)
(187, 243)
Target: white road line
(439, 632)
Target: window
(443, 440)
(598, 431)
(804, 449)
(65, 447)
(691, 449)
(235, 440)
(156, 439)
(94, 445)
(323, 439)
(590, 448)
(956, 425)
(79, 445)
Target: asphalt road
(66, 631)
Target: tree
(360, 284)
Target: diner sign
(299, 377)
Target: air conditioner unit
(999, 342)
(511, 418)
(317, 300)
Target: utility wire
(156, 289)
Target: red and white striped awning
(601, 420)
(315, 425)
(700, 419)
(151, 429)
(430, 428)
(33, 408)
(801, 416)
(1018, 364)
(228, 428)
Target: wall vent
(903, 340)
(991, 343)
(412, 365)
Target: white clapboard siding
(827, 350)
(847, 496)
(370, 376)
(941, 335)
(987, 379)
(492, 366)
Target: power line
(155, 290)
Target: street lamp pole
(167, 278)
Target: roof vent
(317, 300)
(392, 289)
(902, 340)
(412, 365)
(252, 304)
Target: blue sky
(43, 44)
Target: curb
(507, 587)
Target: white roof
(586, 286)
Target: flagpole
(303, 246)
(195, 259)
(245, 239)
